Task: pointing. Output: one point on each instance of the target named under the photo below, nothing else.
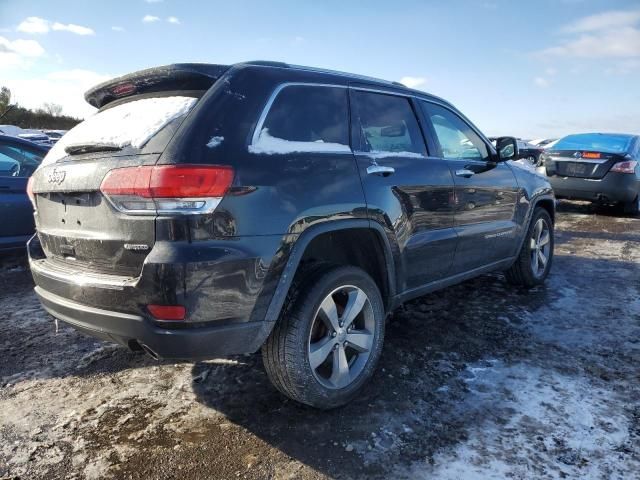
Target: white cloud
(413, 82)
(70, 27)
(153, 1)
(42, 25)
(18, 53)
(613, 34)
(117, 29)
(34, 25)
(624, 67)
(150, 18)
(541, 82)
(65, 87)
(174, 20)
(604, 21)
(298, 41)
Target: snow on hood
(133, 123)
(271, 145)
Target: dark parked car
(210, 210)
(18, 160)
(601, 167)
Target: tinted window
(386, 123)
(600, 142)
(309, 114)
(457, 139)
(17, 161)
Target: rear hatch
(579, 163)
(587, 155)
(79, 228)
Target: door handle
(380, 170)
(465, 172)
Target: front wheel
(532, 266)
(329, 338)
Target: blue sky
(531, 69)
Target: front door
(486, 192)
(408, 191)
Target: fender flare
(532, 207)
(300, 246)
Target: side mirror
(507, 148)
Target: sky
(536, 68)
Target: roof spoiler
(179, 76)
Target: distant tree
(53, 109)
(5, 100)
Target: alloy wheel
(540, 247)
(341, 337)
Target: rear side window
(457, 139)
(16, 161)
(305, 118)
(386, 124)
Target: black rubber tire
(521, 272)
(285, 355)
(633, 207)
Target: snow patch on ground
(534, 423)
(132, 123)
(269, 145)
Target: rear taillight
(30, 193)
(628, 166)
(167, 312)
(185, 189)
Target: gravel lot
(477, 381)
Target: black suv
(210, 210)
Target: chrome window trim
(408, 95)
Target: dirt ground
(477, 381)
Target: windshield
(598, 142)
(129, 124)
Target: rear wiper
(77, 149)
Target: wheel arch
(305, 243)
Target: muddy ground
(477, 381)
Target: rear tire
(633, 207)
(533, 264)
(309, 360)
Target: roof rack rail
(268, 63)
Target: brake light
(167, 188)
(30, 193)
(628, 166)
(590, 155)
(167, 312)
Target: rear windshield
(597, 142)
(130, 124)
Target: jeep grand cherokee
(210, 210)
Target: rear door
(485, 192)
(408, 191)
(17, 162)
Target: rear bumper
(226, 293)
(134, 331)
(613, 187)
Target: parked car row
(42, 137)
(211, 210)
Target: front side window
(16, 161)
(457, 139)
(305, 118)
(386, 124)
